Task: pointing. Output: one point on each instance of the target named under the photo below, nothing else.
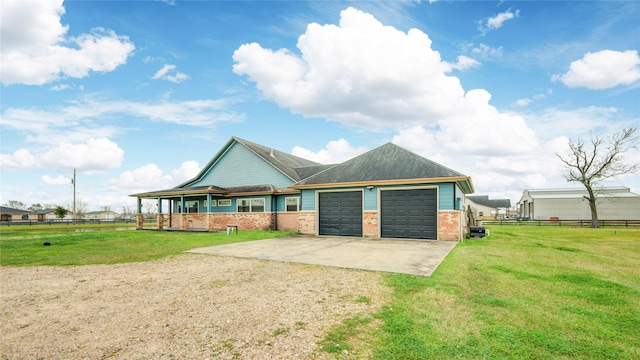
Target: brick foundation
(288, 221)
(450, 225)
(307, 222)
(139, 221)
(370, 224)
(159, 221)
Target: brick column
(183, 221)
(159, 221)
(139, 221)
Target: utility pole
(73, 181)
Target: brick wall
(450, 225)
(288, 221)
(307, 222)
(370, 224)
(245, 221)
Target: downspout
(274, 213)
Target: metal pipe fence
(569, 223)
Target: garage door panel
(409, 213)
(340, 213)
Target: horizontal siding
(446, 197)
(578, 209)
(239, 167)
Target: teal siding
(239, 167)
(308, 200)
(280, 201)
(446, 199)
(370, 199)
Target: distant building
(11, 214)
(488, 209)
(101, 215)
(614, 203)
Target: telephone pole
(73, 181)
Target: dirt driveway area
(190, 306)
(413, 257)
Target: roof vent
(271, 154)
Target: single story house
(387, 192)
(488, 209)
(11, 214)
(613, 203)
(101, 215)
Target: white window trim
(264, 204)
(296, 198)
(191, 202)
(227, 202)
(213, 203)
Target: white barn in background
(614, 203)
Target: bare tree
(602, 159)
(81, 208)
(15, 204)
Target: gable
(387, 163)
(239, 166)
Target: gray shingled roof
(8, 210)
(485, 201)
(387, 162)
(286, 163)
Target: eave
(460, 180)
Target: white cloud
(58, 180)
(169, 73)
(96, 155)
(80, 121)
(536, 97)
(337, 151)
(602, 70)
(483, 51)
(186, 171)
(464, 63)
(142, 179)
(371, 76)
(20, 159)
(33, 45)
(496, 22)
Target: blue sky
(138, 95)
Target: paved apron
(389, 255)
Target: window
(250, 205)
(192, 206)
(225, 202)
(213, 204)
(292, 203)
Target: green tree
(60, 212)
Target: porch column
(139, 216)
(209, 207)
(139, 221)
(182, 203)
(159, 221)
(159, 205)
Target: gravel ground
(189, 306)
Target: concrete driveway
(389, 255)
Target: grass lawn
(109, 247)
(524, 292)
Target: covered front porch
(212, 208)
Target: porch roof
(214, 190)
